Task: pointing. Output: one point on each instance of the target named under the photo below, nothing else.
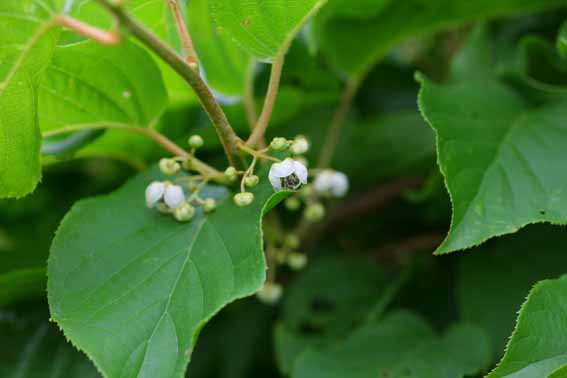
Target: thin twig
(269, 101)
(183, 33)
(226, 134)
(101, 36)
(333, 132)
(400, 251)
(249, 101)
(160, 139)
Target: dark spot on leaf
(246, 21)
(542, 212)
(307, 328)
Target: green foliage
(153, 282)
(356, 40)
(27, 42)
(537, 346)
(265, 29)
(350, 292)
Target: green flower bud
(209, 205)
(192, 185)
(243, 199)
(162, 208)
(230, 173)
(195, 141)
(292, 203)
(296, 260)
(184, 213)
(251, 181)
(281, 257)
(278, 144)
(306, 191)
(169, 166)
(291, 241)
(314, 213)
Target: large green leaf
(263, 28)
(489, 293)
(33, 348)
(226, 66)
(355, 44)
(26, 45)
(88, 83)
(401, 345)
(501, 157)
(132, 288)
(538, 345)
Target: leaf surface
(132, 288)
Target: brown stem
(269, 101)
(333, 132)
(160, 139)
(226, 134)
(399, 251)
(101, 36)
(375, 199)
(248, 100)
(183, 33)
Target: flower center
(290, 182)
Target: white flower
(174, 196)
(331, 182)
(154, 193)
(287, 175)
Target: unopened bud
(230, 173)
(291, 241)
(278, 144)
(169, 166)
(251, 181)
(243, 199)
(184, 213)
(314, 212)
(270, 293)
(299, 146)
(195, 141)
(296, 260)
(209, 205)
(292, 203)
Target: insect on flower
(287, 175)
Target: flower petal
(174, 196)
(154, 193)
(301, 171)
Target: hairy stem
(101, 36)
(160, 139)
(226, 134)
(269, 102)
(334, 130)
(183, 32)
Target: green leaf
(489, 293)
(494, 149)
(87, 83)
(27, 41)
(36, 349)
(226, 66)
(132, 288)
(538, 345)
(400, 345)
(264, 28)
(355, 44)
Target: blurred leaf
(182, 275)
(226, 66)
(36, 349)
(355, 44)
(264, 29)
(27, 41)
(489, 292)
(87, 83)
(561, 43)
(538, 344)
(400, 345)
(21, 285)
